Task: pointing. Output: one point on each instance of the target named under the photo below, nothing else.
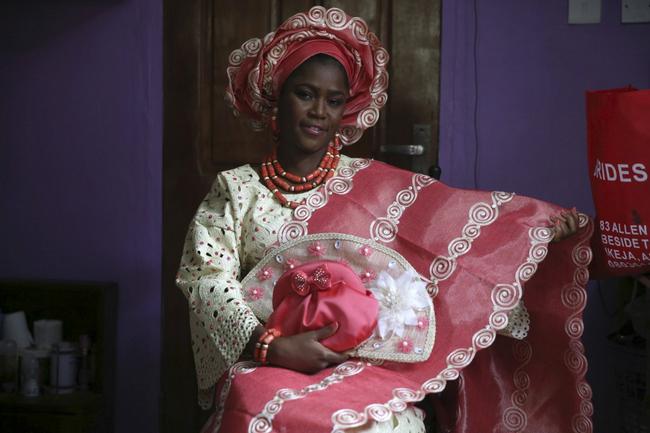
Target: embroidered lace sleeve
(518, 323)
(220, 321)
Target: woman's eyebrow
(334, 92)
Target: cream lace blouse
(235, 224)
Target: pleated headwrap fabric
(258, 69)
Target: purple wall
(81, 166)
(533, 69)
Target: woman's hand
(565, 224)
(303, 352)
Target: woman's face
(311, 106)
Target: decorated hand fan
(378, 300)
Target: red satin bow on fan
(319, 279)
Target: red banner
(618, 135)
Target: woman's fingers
(327, 356)
(561, 230)
(304, 352)
(332, 357)
(326, 331)
(572, 222)
(565, 224)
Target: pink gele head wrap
(258, 69)
(305, 51)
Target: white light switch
(635, 11)
(584, 11)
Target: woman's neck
(300, 163)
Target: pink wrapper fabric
(484, 252)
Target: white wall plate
(584, 11)
(635, 11)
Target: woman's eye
(336, 102)
(303, 95)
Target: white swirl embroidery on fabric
(384, 229)
(574, 297)
(481, 214)
(263, 422)
(340, 184)
(514, 417)
(244, 367)
(504, 298)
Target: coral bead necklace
(278, 179)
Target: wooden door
(202, 137)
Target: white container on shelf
(15, 328)
(8, 366)
(47, 333)
(64, 365)
(29, 372)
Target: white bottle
(8, 366)
(29, 375)
(64, 364)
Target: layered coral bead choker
(278, 180)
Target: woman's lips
(313, 130)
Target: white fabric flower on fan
(399, 300)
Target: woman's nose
(318, 107)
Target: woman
(318, 82)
